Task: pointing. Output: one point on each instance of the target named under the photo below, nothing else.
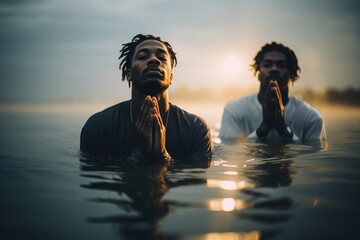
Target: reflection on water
(250, 191)
(240, 181)
(253, 235)
(140, 188)
(227, 204)
(229, 185)
(273, 165)
(264, 166)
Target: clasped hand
(151, 129)
(273, 110)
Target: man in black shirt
(147, 126)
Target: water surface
(250, 190)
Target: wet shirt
(243, 116)
(112, 133)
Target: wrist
(263, 130)
(165, 156)
(285, 132)
(162, 157)
(159, 154)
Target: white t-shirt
(243, 116)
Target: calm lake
(250, 191)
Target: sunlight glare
(231, 65)
(227, 204)
(253, 235)
(229, 185)
(231, 173)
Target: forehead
(151, 45)
(274, 56)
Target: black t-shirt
(112, 133)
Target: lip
(153, 70)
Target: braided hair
(128, 50)
(293, 66)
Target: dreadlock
(128, 49)
(293, 66)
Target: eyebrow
(270, 60)
(146, 50)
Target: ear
(128, 75)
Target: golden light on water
(230, 165)
(227, 204)
(229, 185)
(253, 235)
(231, 173)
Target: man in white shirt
(272, 113)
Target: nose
(274, 67)
(153, 60)
(274, 70)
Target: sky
(65, 50)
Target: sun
(231, 66)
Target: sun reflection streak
(230, 165)
(227, 204)
(229, 185)
(231, 173)
(224, 163)
(253, 235)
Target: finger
(157, 113)
(144, 110)
(273, 86)
(159, 135)
(278, 93)
(268, 93)
(155, 102)
(157, 120)
(273, 89)
(145, 125)
(156, 107)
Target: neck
(137, 99)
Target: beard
(152, 88)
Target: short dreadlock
(127, 52)
(293, 66)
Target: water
(250, 191)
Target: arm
(202, 146)
(89, 138)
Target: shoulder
(184, 117)
(108, 114)
(241, 101)
(242, 106)
(304, 108)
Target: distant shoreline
(329, 99)
(345, 97)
